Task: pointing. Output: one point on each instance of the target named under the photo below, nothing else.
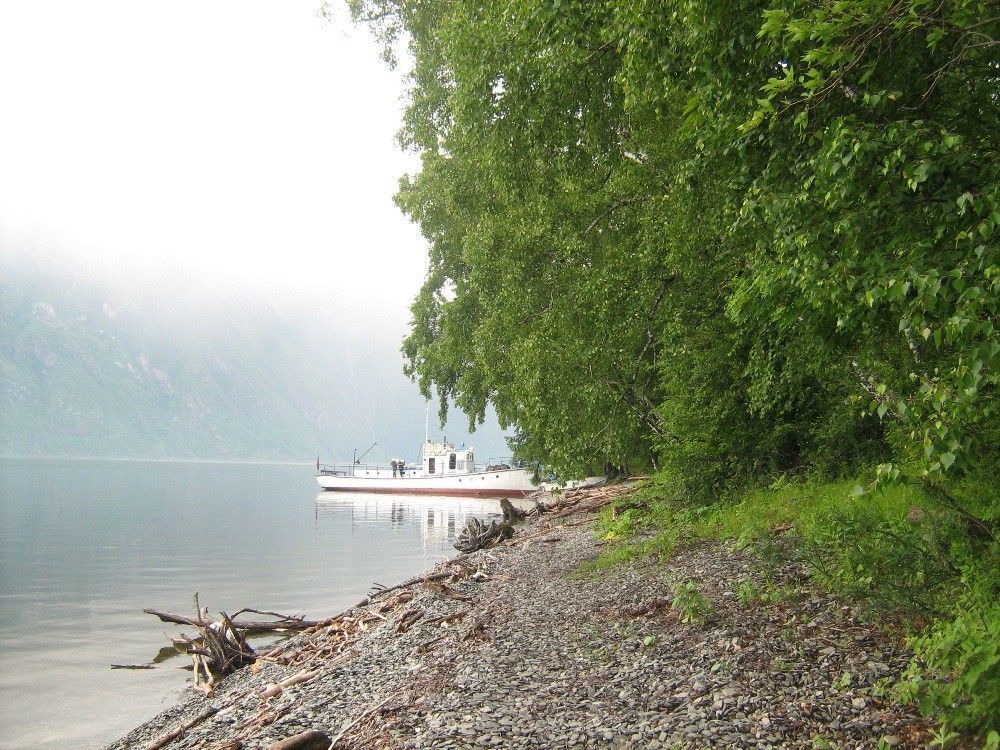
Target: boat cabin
(442, 459)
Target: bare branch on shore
(172, 735)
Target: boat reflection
(439, 519)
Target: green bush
(894, 560)
(692, 605)
(955, 672)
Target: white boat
(442, 470)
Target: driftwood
(477, 535)
(588, 499)
(172, 735)
(220, 646)
(249, 627)
(511, 512)
(312, 739)
(408, 619)
(445, 619)
(277, 688)
(378, 589)
(444, 591)
(348, 727)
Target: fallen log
(277, 688)
(250, 627)
(311, 739)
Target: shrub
(692, 605)
(956, 667)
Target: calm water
(85, 545)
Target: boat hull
(503, 483)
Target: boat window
(451, 461)
(461, 467)
(430, 465)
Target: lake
(85, 545)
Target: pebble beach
(519, 646)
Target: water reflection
(439, 519)
(86, 545)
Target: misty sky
(248, 145)
(249, 141)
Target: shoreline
(513, 647)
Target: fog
(209, 168)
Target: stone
(558, 665)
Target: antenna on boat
(358, 458)
(427, 420)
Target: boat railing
(506, 462)
(350, 470)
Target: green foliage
(621, 550)
(885, 206)
(956, 670)
(844, 682)
(735, 241)
(692, 605)
(740, 243)
(746, 592)
(610, 558)
(944, 737)
(898, 550)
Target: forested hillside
(735, 242)
(176, 369)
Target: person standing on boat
(395, 468)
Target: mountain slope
(87, 369)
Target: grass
(906, 553)
(621, 549)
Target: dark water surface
(85, 545)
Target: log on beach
(250, 627)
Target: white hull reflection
(439, 518)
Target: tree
(733, 240)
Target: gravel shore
(521, 650)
